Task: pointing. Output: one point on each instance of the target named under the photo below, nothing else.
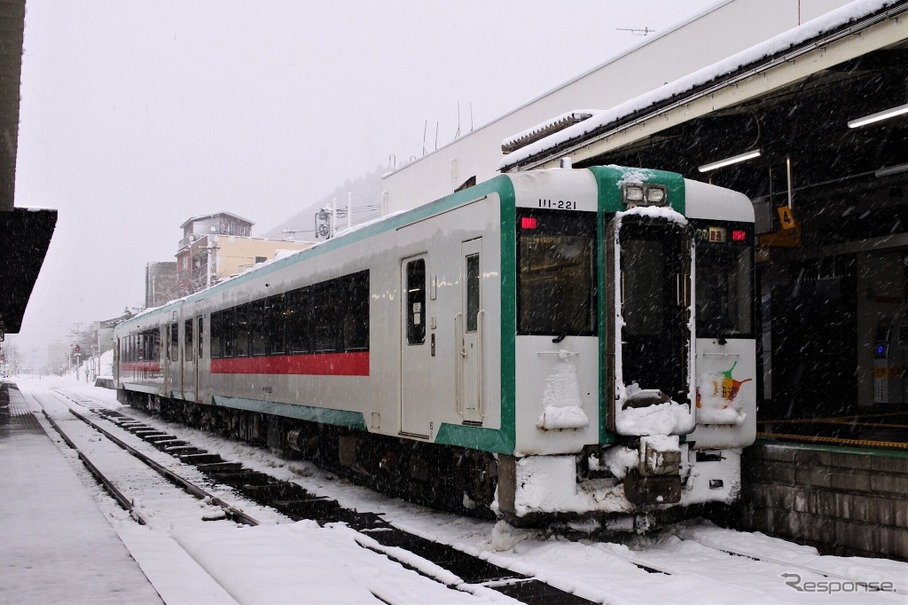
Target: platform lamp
(735, 159)
(879, 116)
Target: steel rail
(185, 484)
(108, 485)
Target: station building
(803, 106)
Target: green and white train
(557, 343)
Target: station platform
(57, 545)
(884, 427)
(844, 496)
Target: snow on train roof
(770, 48)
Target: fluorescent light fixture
(876, 117)
(890, 170)
(743, 157)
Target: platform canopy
(24, 234)
(788, 110)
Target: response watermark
(835, 586)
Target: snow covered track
(454, 569)
(328, 545)
(171, 476)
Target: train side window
(242, 330)
(174, 342)
(296, 320)
(556, 278)
(416, 302)
(472, 292)
(187, 332)
(217, 332)
(325, 306)
(355, 313)
(201, 333)
(274, 324)
(228, 325)
(257, 325)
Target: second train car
(555, 343)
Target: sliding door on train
(469, 328)
(415, 350)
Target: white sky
(138, 115)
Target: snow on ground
(282, 562)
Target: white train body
(497, 321)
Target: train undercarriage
(443, 477)
(457, 480)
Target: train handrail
(480, 404)
(458, 364)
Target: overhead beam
(847, 44)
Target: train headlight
(638, 194)
(633, 195)
(655, 195)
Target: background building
(216, 246)
(160, 283)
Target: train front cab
(650, 401)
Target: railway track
(711, 538)
(464, 561)
(455, 569)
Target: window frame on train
(303, 321)
(558, 307)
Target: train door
(190, 375)
(200, 355)
(649, 343)
(173, 369)
(469, 326)
(415, 352)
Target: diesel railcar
(569, 342)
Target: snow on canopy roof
(748, 58)
(540, 131)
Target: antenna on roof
(636, 30)
(457, 134)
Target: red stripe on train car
(320, 364)
(141, 366)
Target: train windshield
(650, 294)
(556, 277)
(724, 282)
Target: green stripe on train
(353, 420)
